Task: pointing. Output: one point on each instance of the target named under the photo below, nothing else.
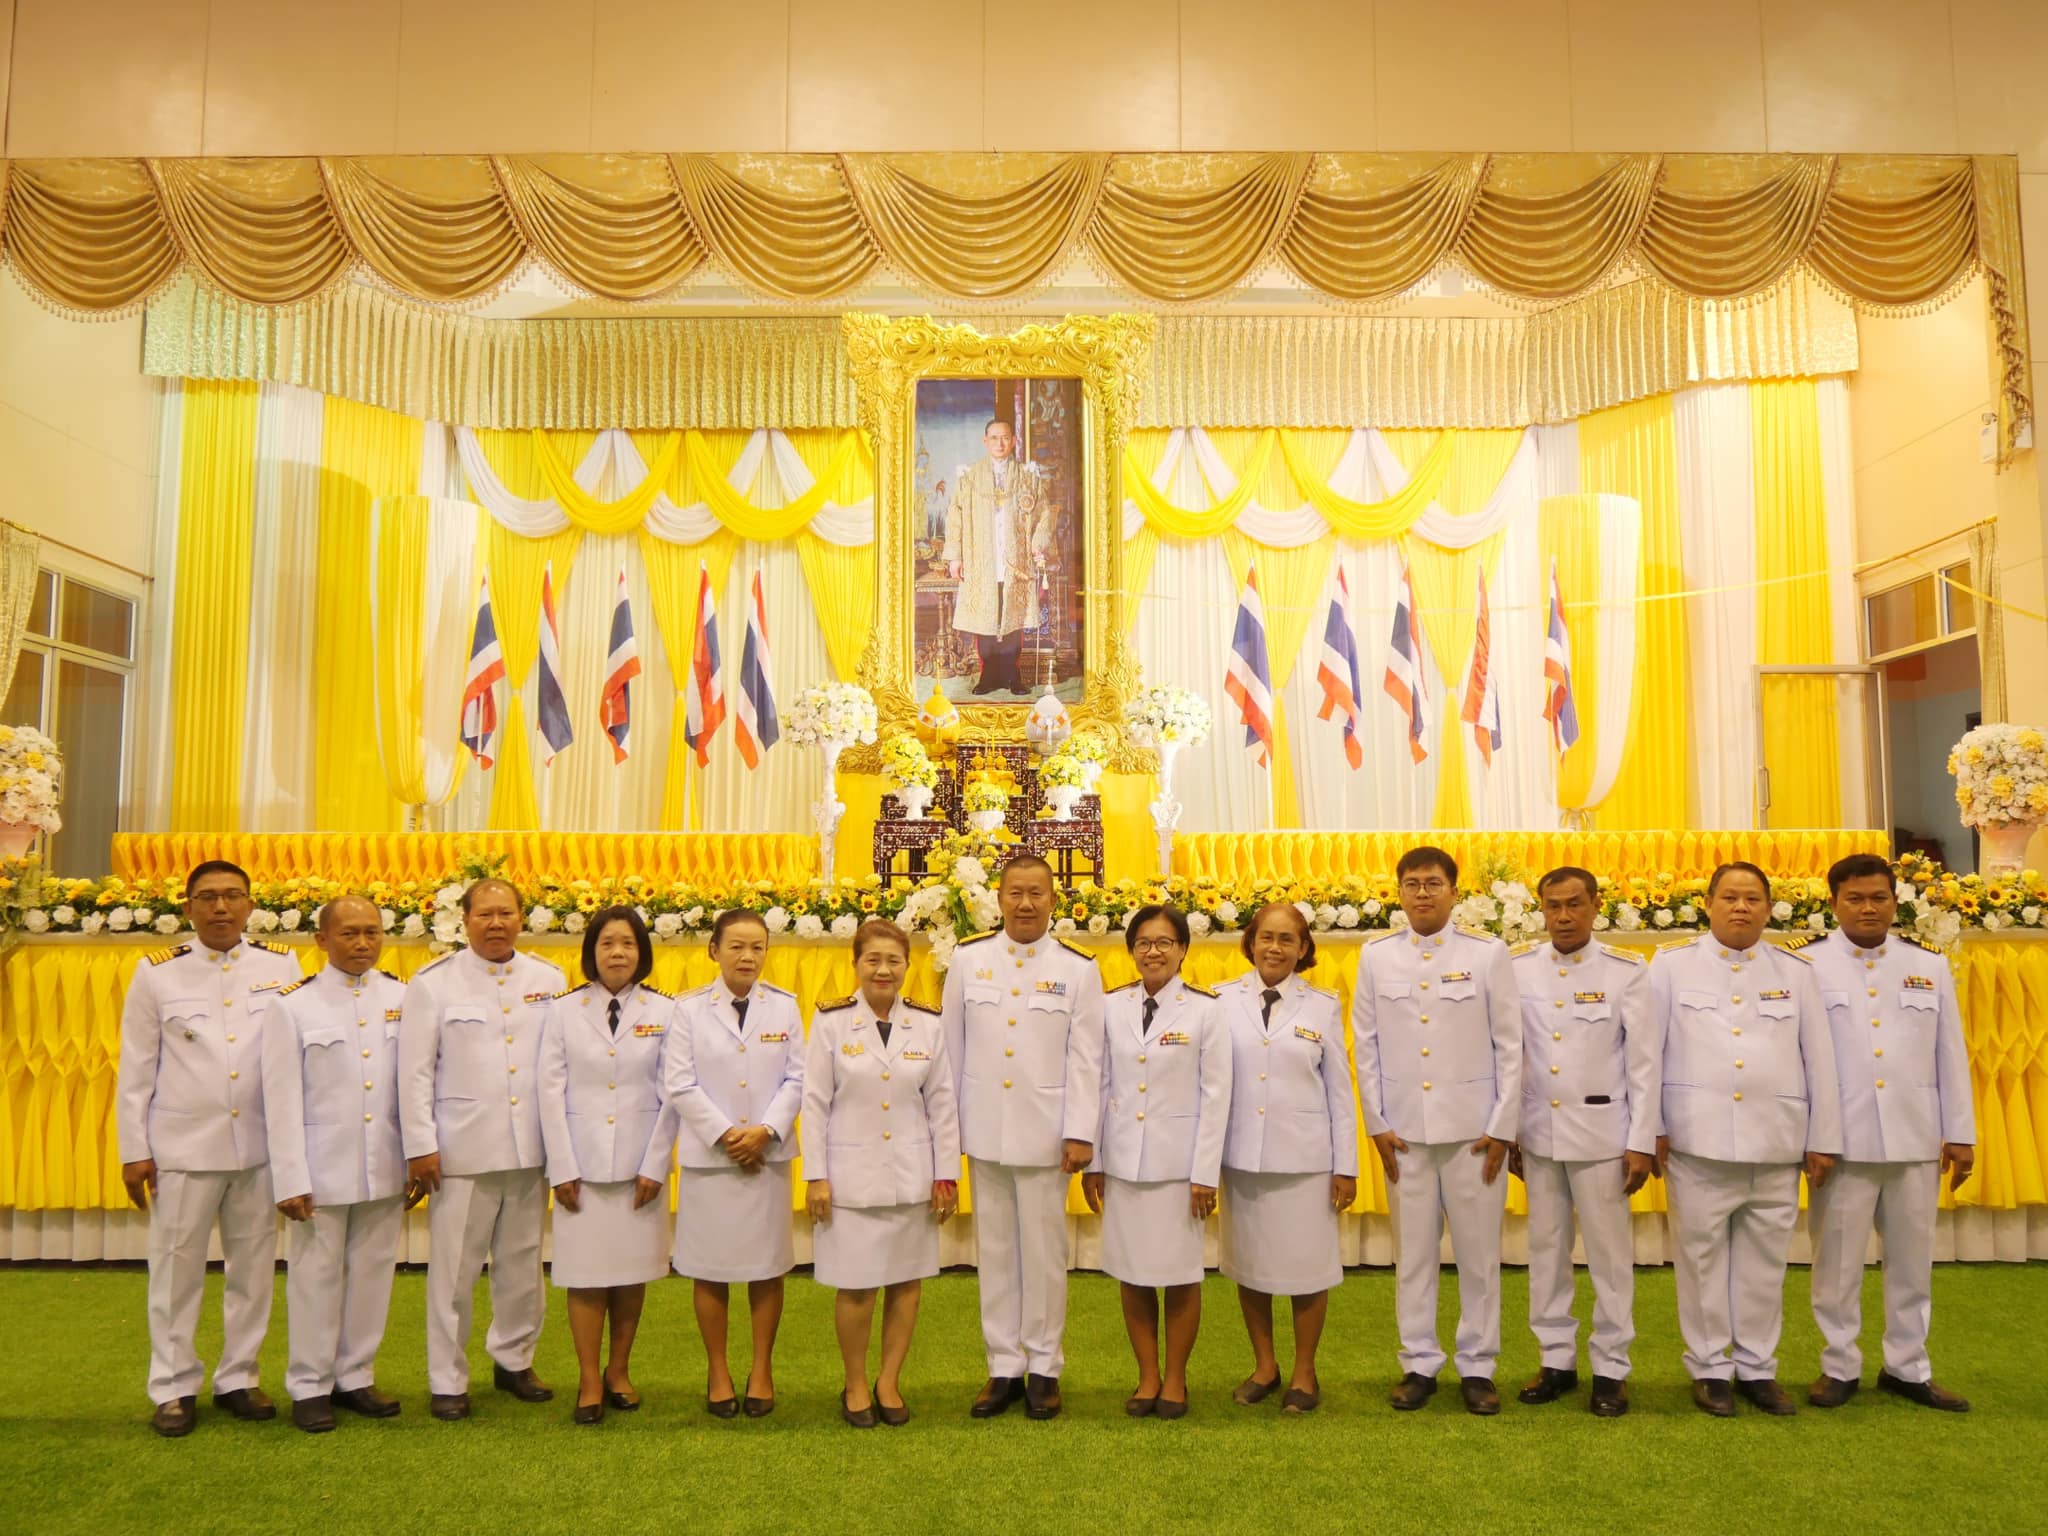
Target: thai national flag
(480, 686)
(1558, 707)
(754, 728)
(1338, 670)
(555, 729)
(622, 665)
(1482, 697)
(704, 700)
(1404, 682)
(1247, 680)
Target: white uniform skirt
(875, 1245)
(1278, 1232)
(1150, 1236)
(732, 1225)
(607, 1242)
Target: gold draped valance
(1620, 344)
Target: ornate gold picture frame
(887, 359)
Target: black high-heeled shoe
(894, 1417)
(757, 1407)
(625, 1402)
(859, 1418)
(721, 1407)
(588, 1413)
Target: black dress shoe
(1548, 1386)
(523, 1384)
(756, 1407)
(1610, 1397)
(1166, 1408)
(895, 1417)
(368, 1402)
(625, 1402)
(1252, 1390)
(996, 1397)
(315, 1415)
(1832, 1392)
(1412, 1391)
(174, 1420)
(449, 1406)
(1297, 1401)
(1041, 1396)
(1480, 1396)
(247, 1403)
(1139, 1406)
(722, 1407)
(588, 1413)
(1769, 1396)
(1925, 1393)
(859, 1418)
(1714, 1396)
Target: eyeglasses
(217, 898)
(1424, 887)
(1154, 946)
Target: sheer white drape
(1717, 543)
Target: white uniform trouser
(1593, 1190)
(181, 1221)
(1020, 1233)
(471, 1217)
(337, 1293)
(1438, 1181)
(1900, 1199)
(1734, 1223)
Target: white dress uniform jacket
(1898, 1047)
(603, 1116)
(1291, 1109)
(1748, 1059)
(190, 1082)
(469, 1047)
(1438, 1034)
(1166, 1093)
(879, 1120)
(330, 1088)
(1590, 1066)
(723, 1069)
(1023, 1029)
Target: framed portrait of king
(998, 516)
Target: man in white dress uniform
(189, 1117)
(1436, 1024)
(1906, 1118)
(1588, 1137)
(1022, 1014)
(1749, 1097)
(469, 1105)
(330, 1095)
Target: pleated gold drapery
(1886, 231)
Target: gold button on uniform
(366, 1055)
(1878, 1052)
(1141, 1058)
(1141, 1113)
(1557, 1003)
(888, 1135)
(368, 1118)
(1006, 1082)
(1557, 1034)
(236, 1114)
(1425, 1087)
(1262, 1110)
(1262, 1078)
(1873, 991)
(366, 1085)
(1736, 998)
(611, 1119)
(1008, 1050)
(1877, 1023)
(885, 1103)
(1556, 1103)
(1553, 1071)
(1425, 1050)
(227, 1002)
(515, 1099)
(233, 1075)
(885, 1075)
(231, 1039)
(1880, 1082)
(1738, 1096)
(511, 1069)
(1738, 1063)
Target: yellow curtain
(1142, 452)
(515, 564)
(1801, 740)
(365, 453)
(210, 616)
(586, 511)
(1290, 581)
(841, 579)
(1199, 522)
(515, 457)
(401, 608)
(1568, 531)
(1631, 450)
(672, 582)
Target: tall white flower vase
(985, 821)
(2002, 847)
(827, 810)
(1091, 778)
(913, 798)
(1062, 798)
(1166, 809)
(16, 837)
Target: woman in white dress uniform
(1290, 1157)
(881, 1144)
(1165, 1102)
(734, 1070)
(609, 1139)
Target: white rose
(1124, 918)
(1198, 923)
(1347, 916)
(1226, 911)
(1326, 915)
(36, 920)
(943, 940)
(289, 919)
(1372, 908)
(144, 916)
(1600, 923)
(447, 927)
(1396, 919)
(1781, 911)
(540, 919)
(1905, 891)
(777, 920)
(1064, 925)
(1307, 911)
(65, 915)
(448, 896)
(809, 926)
(1663, 917)
(1099, 923)
(969, 871)
(1993, 921)
(120, 919)
(2031, 916)
(574, 922)
(641, 913)
(391, 918)
(845, 925)
(415, 925)
(668, 925)
(263, 920)
(1817, 921)
(1628, 917)
(93, 922)
(168, 923)
(693, 918)
(1688, 913)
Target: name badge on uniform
(772, 1037)
(643, 1031)
(266, 986)
(1773, 997)
(1589, 997)
(1308, 1034)
(851, 1048)
(1920, 983)
(1052, 988)
(538, 997)
(917, 1055)
(393, 1015)
(1455, 976)
(1174, 1037)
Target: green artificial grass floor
(76, 1453)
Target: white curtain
(1519, 790)
(155, 745)
(277, 767)
(1838, 481)
(1717, 542)
(1621, 563)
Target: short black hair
(1425, 856)
(1303, 961)
(469, 895)
(215, 867)
(1000, 421)
(599, 920)
(1733, 865)
(1565, 872)
(732, 917)
(1857, 866)
(1026, 861)
(1144, 915)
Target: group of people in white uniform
(1728, 1067)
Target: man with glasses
(189, 1118)
(1748, 1096)
(1436, 1023)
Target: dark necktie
(1151, 1007)
(1272, 996)
(739, 1012)
(882, 1029)
(612, 1012)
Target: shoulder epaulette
(158, 957)
(1797, 941)
(769, 986)
(1122, 986)
(648, 986)
(1527, 947)
(1198, 990)
(1391, 933)
(1072, 948)
(537, 960)
(915, 1006)
(1320, 991)
(443, 960)
(1932, 949)
(290, 987)
(1471, 932)
(274, 948)
(572, 991)
(976, 938)
(1633, 957)
(389, 975)
(836, 1004)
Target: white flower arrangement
(1159, 715)
(2001, 774)
(985, 795)
(1062, 771)
(842, 712)
(905, 763)
(1086, 747)
(31, 778)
